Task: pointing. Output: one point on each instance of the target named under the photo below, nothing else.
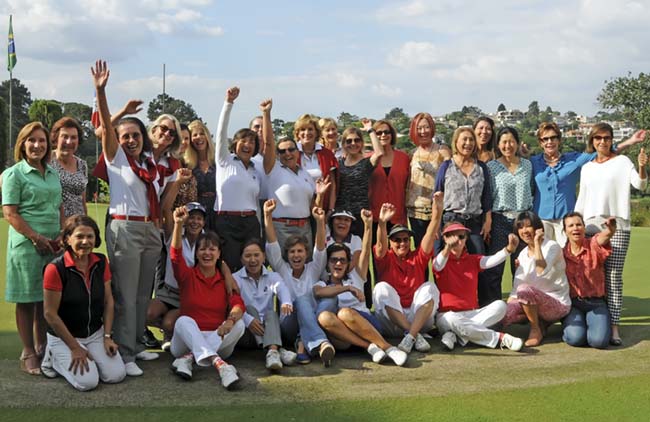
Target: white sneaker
(406, 345)
(144, 355)
(287, 357)
(421, 344)
(273, 361)
(46, 366)
(166, 346)
(397, 355)
(511, 342)
(132, 369)
(377, 354)
(449, 340)
(228, 375)
(183, 367)
(326, 353)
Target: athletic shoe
(326, 353)
(144, 355)
(511, 342)
(377, 354)
(421, 344)
(228, 375)
(287, 357)
(273, 361)
(406, 345)
(166, 346)
(303, 358)
(149, 340)
(449, 340)
(183, 367)
(46, 366)
(397, 355)
(132, 369)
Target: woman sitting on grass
(588, 320)
(78, 304)
(206, 331)
(352, 323)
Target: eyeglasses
(546, 139)
(401, 239)
(383, 132)
(602, 138)
(338, 260)
(351, 141)
(285, 150)
(165, 129)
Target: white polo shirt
(311, 274)
(347, 299)
(238, 187)
(293, 191)
(310, 164)
(128, 192)
(259, 294)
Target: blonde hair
(306, 120)
(191, 155)
(176, 143)
(457, 134)
(324, 123)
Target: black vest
(81, 308)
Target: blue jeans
(587, 323)
(303, 320)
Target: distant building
(510, 117)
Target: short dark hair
(504, 131)
(534, 219)
(569, 215)
(208, 237)
(74, 221)
(65, 122)
(242, 134)
(147, 146)
(293, 240)
(337, 247)
(391, 128)
(488, 120)
(253, 241)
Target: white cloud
(386, 91)
(416, 54)
(348, 80)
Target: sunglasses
(285, 150)
(549, 139)
(602, 138)
(351, 141)
(337, 260)
(383, 132)
(165, 129)
(401, 239)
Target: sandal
(34, 369)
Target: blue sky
(324, 57)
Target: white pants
(204, 345)
(384, 295)
(471, 326)
(109, 369)
(553, 231)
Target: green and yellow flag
(11, 49)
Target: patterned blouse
(73, 186)
(186, 193)
(206, 186)
(511, 192)
(468, 195)
(424, 166)
(353, 185)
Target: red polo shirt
(52, 280)
(458, 283)
(405, 275)
(586, 271)
(203, 299)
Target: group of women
(197, 209)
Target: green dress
(38, 199)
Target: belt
(299, 222)
(237, 213)
(131, 217)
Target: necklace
(551, 160)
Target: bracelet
(369, 131)
(108, 336)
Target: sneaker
(183, 367)
(421, 344)
(46, 366)
(228, 375)
(149, 340)
(406, 345)
(326, 353)
(144, 355)
(166, 346)
(132, 369)
(397, 355)
(303, 358)
(273, 361)
(511, 342)
(377, 354)
(449, 340)
(287, 357)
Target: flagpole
(163, 98)
(11, 84)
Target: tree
(471, 111)
(399, 119)
(45, 111)
(533, 109)
(630, 96)
(501, 107)
(183, 111)
(81, 112)
(21, 100)
(346, 120)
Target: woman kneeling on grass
(78, 305)
(205, 332)
(352, 323)
(588, 320)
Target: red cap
(455, 227)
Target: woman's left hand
(286, 309)
(110, 346)
(643, 158)
(485, 231)
(225, 327)
(322, 185)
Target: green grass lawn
(551, 382)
